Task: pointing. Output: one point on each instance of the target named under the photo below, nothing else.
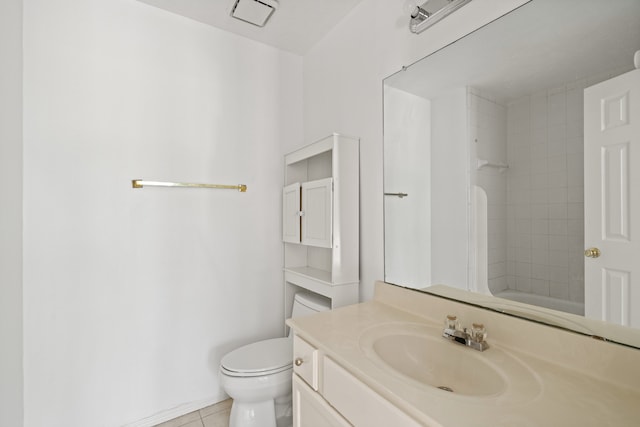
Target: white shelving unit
(320, 220)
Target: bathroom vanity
(385, 363)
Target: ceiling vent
(256, 12)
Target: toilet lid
(258, 357)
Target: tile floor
(212, 416)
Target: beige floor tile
(184, 420)
(218, 419)
(225, 405)
(197, 423)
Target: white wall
(132, 296)
(449, 192)
(11, 385)
(343, 92)
(407, 227)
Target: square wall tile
(523, 284)
(559, 274)
(540, 241)
(559, 259)
(575, 195)
(575, 210)
(540, 257)
(575, 244)
(540, 226)
(575, 227)
(539, 111)
(559, 290)
(539, 211)
(540, 287)
(539, 165)
(511, 268)
(557, 179)
(575, 145)
(523, 255)
(540, 272)
(558, 211)
(557, 163)
(558, 227)
(496, 285)
(574, 104)
(497, 270)
(576, 290)
(539, 196)
(523, 269)
(556, 106)
(557, 195)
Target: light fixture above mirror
(432, 11)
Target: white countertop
(542, 393)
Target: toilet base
(254, 414)
(261, 414)
(259, 401)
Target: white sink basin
(420, 355)
(432, 361)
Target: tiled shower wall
(545, 219)
(536, 206)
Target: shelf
(320, 220)
(311, 273)
(319, 281)
(484, 164)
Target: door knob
(298, 361)
(592, 253)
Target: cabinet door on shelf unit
(291, 213)
(317, 213)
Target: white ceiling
(295, 27)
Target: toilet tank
(306, 304)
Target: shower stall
(527, 175)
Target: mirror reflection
(501, 144)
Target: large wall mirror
(505, 157)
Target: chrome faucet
(474, 337)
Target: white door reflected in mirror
(612, 199)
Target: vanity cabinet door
(357, 402)
(317, 212)
(311, 410)
(305, 361)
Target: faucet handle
(478, 332)
(451, 322)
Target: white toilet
(258, 376)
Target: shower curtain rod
(139, 183)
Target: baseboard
(176, 412)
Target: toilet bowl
(257, 376)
